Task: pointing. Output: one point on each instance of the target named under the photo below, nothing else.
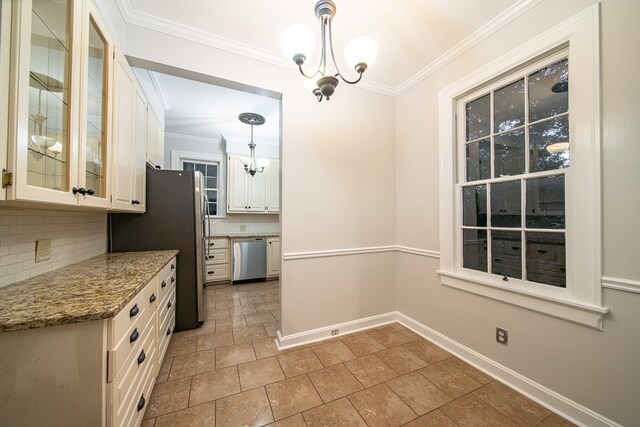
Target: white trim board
(555, 402)
(619, 284)
(134, 17)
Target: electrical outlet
(502, 336)
(335, 332)
(243, 228)
(43, 250)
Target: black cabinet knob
(163, 284)
(152, 298)
(169, 304)
(141, 403)
(79, 190)
(90, 191)
(141, 357)
(168, 331)
(135, 202)
(210, 272)
(134, 310)
(134, 335)
(173, 266)
(173, 279)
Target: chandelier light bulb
(310, 84)
(298, 42)
(262, 163)
(361, 50)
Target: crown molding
(193, 138)
(140, 19)
(156, 80)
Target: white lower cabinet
(273, 257)
(218, 259)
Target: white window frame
(179, 157)
(581, 301)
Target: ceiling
(411, 33)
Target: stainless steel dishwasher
(249, 259)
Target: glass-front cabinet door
(46, 75)
(95, 133)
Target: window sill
(572, 311)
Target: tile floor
(230, 373)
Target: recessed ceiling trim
(134, 17)
(470, 41)
(162, 93)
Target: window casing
(211, 172)
(579, 297)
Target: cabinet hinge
(7, 178)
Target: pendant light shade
(298, 42)
(361, 51)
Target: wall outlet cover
(43, 250)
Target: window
(211, 179)
(520, 176)
(513, 137)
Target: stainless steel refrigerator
(174, 219)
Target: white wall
(596, 369)
(176, 142)
(338, 182)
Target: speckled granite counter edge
(78, 292)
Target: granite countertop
(243, 234)
(94, 289)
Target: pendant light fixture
(298, 43)
(251, 166)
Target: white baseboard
(555, 402)
(551, 400)
(320, 334)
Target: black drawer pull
(168, 331)
(497, 260)
(134, 336)
(169, 304)
(542, 251)
(141, 357)
(164, 284)
(134, 310)
(173, 266)
(210, 272)
(173, 279)
(152, 298)
(141, 403)
(515, 248)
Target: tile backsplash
(252, 223)
(75, 236)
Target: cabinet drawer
(167, 308)
(126, 385)
(219, 243)
(165, 335)
(134, 315)
(166, 285)
(218, 256)
(217, 272)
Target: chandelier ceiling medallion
(251, 166)
(298, 43)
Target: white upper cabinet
(155, 140)
(252, 194)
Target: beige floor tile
(214, 385)
(221, 313)
(389, 337)
(191, 364)
(249, 333)
(435, 418)
(276, 314)
(230, 322)
(260, 372)
(208, 326)
(333, 353)
(555, 420)
(474, 373)
(337, 413)
(265, 347)
(370, 370)
(181, 344)
(514, 405)
(362, 344)
(222, 303)
(148, 423)
(418, 392)
(294, 421)
(251, 300)
(268, 305)
(197, 416)
(299, 362)
(237, 310)
(259, 317)
(379, 406)
(249, 408)
(470, 411)
(427, 351)
(401, 360)
(214, 340)
(271, 328)
(234, 354)
(334, 382)
(165, 368)
(168, 397)
(452, 380)
(291, 396)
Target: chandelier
(298, 43)
(251, 166)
